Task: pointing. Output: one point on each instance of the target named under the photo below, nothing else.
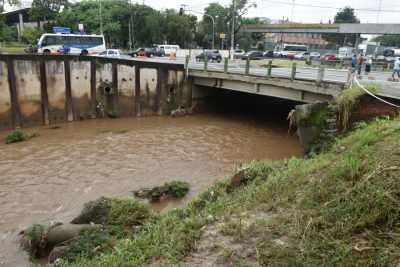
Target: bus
(289, 50)
(79, 42)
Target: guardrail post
(341, 63)
(350, 73)
(246, 71)
(269, 69)
(376, 64)
(226, 65)
(205, 63)
(310, 57)
(320, 76)
(324, 62)
(186, 66)
(293, 75)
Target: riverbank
(339, 208)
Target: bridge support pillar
(256, 88)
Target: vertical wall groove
(159, 90)
(45, 96)
(137, 90)
(93, 88)
(115, 86)
(16, 116)
(68, 92)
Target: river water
(51, 176)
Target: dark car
(211, 55)
(149, 52)
(159, 52)
(252, 55)
(268, 54)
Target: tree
(388, 40)
(346, 15)
(46, 9)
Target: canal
(51, 176)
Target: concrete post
(320, 76)
(376, 64)
(186, 66)
(21, 22)
(269, 69)
(350, 73)
(226, 66)
(205, 64)
(341, 63)
(246, 71)
(293, 75)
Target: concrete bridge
(42, 90)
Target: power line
(363, 9)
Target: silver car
(111, 53)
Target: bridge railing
(312, 73)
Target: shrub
(15, 136)
(179, 189)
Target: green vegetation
(18, 136)
(127, 212)
(55, 127)
(179, 189)
(113, 114)
(15, 136)
(121, 131)
(339, 208)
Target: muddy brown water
(51, 176)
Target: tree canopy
(388, 40)
(345, 15)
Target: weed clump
(127, 212)
(55, 127)
(113, 114)
(179, 189)
(18, 136)
(15, 136)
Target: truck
(394, 52)
(370, 48)
(345, 52)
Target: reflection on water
(50, 177)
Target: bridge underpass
(305, 91)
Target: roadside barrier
(141, 54)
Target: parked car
(252, 55)
(211, 56)
(159, 52)
(302, 55)
(315, 54)
(111, 53)
(329, 56)
(268, 53)
(149, 52)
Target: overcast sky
(306, 11)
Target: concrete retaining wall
(39, 90)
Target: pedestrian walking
(368, 64)
(360, 62)
(396, 68)
(353, 61)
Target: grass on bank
(340, 208)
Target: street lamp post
(233, 30)
(101, 20)
(213, 27)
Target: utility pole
(292, 12)
(101, 20)
(184, 7)
(233, 30)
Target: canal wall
(39, 89)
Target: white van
(169, 48)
